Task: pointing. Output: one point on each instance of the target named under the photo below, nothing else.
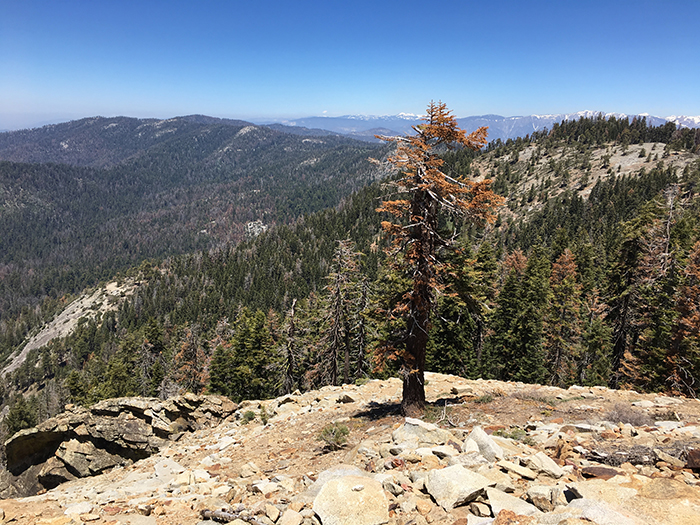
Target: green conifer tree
(501, 343)
(456, 340)
(594, 364)
(244, 368)
(563, 326)
(517, 341)
(683, 360)
(22, 414)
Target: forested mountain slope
(100, 142)
(589, 276)
(109, 193)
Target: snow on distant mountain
(685, 122)
(400, 116)
(364, 127)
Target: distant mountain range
(366, 127)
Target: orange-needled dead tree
(425, 191)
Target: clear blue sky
(62, 60)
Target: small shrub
(334, 435)
(484, 399)
(537, 397)
(264, 416)
(622, 413)
(431, 414)
(515, 433)
(666, 415)
(527, 440)
(248, 417)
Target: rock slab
(352, 500)
(455, 485)
(487, 446)
(421, 433)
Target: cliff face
(84, 442)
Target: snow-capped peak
(409, 116)
(682, 120)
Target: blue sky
(62, 60)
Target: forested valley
(81, 202)
(590, 275)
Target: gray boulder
(487, 446)
(338, 472)
(541, 462)
(599, 512)
(499, 501)
(85, 459)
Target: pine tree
(563, 325)
(77, 387)
(243, 368)
(341, 310)
(486, 290)
(516, 343)
(594, 364)
(501, 337)
(416, 240)
(119, 379)
(191, 361)
(456, 339)
(683, 360)
(362, 329)
(22, 414)
(624, 301)
(221, 370)
(290, 354)
(652, 294)
(529, 355)
(152, 359)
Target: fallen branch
(445, 417)
(225, 516)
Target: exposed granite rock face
(83, 442)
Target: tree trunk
(346, 357)
(413, 401)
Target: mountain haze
(500, 127)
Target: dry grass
(622, 413)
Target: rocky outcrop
(578, 465)
(83, 442)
